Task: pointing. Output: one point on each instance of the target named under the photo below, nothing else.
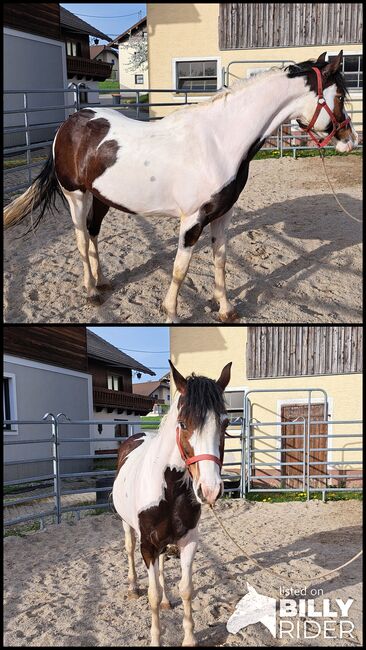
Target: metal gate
(264, 469)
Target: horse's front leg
(219, 227)
(190, 230)
(187, 546)
(155, 592)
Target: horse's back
(127, 446)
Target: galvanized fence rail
(269, 446)
(287, 138)
(56, 441)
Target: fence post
(138, 107)
(56, 464)
(26, 126)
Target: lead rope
(278, 575)
(322, 156)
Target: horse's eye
(182, 426)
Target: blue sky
(106, 15)
(148, 341)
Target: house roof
(100, 349)
(148, 387)
(75, 24)
(126, 34)
(95, 50)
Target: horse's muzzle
(209, 494)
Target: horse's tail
(42, 193)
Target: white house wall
(42, 388)
(108, 431)
(30, 63)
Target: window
(139, 78)
(120, 430)
(9, 403)
(196, 75)
(73, 49)
(352, 69)
(113, 383)
(83, 95)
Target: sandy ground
(67, 585)
(293, 255)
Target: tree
(138, 52)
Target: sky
(142, 344)
(105, 16)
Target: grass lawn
(108, 84)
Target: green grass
(302, 153)
(108, 84)
(280, 497)
(22, 529)
(18, 162)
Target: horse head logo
(253, 608)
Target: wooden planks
(59, 345)
(41, 18)
(277, 24)
(290, 351)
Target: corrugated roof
(75, 24)
(100, 349)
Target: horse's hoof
(95, 299)
(230, 316)
(172, 319)
(106, 286)
(166, 605)
(133, 594)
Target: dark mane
(202, 395)
(304, 68)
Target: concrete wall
(190, 30)
(40, 388)
(108, 431)
(31, 63)
(205, 350)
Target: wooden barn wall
(288, 351)
(62, 346)
(41, 18)
(277, 24)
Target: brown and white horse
(162, 480)
(193, 164)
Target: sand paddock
(291, 251)
(67, 585)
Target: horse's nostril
(200, 493)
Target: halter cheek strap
(323, 104)
(194, 459)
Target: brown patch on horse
(96, 216)
(338, 110)
(78, 160)
(127, 446)
(177, 513)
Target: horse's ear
(179, 380)
(322, 58)
(333, 66)
(224, 378)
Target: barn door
(293, 443)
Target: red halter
(194, 459)
(323, 104)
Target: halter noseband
(322, 104)
(194, 459)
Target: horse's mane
(202, 395)
(303, 69)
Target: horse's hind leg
(80, 204)
(219, 227)
(94, 220)
(190, 230)
(130, 543)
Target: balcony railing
(77, 65)
(103, 397)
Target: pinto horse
(192, 164)
(163, 479)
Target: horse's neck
(253, 112)
(165, 440)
